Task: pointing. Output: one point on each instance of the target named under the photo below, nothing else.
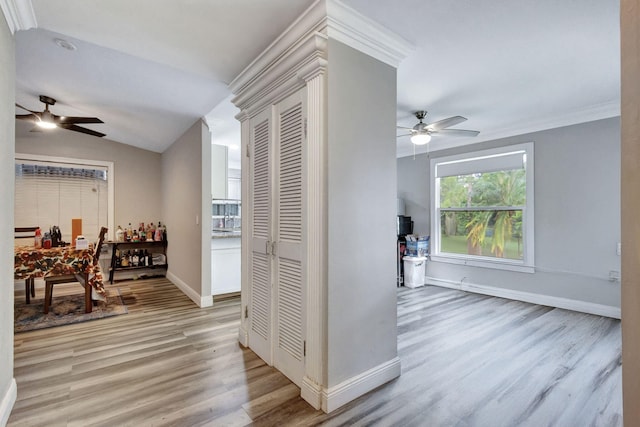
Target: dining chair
(29, 282)
(50, 281)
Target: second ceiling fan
(47, 120)
(422, 132)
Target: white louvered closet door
(260, 268)
(288, 250)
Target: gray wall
(182, 187)
(577, 213)
(361, 192)
(7, 129)
(137, 172)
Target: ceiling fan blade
(404, 134)
(445, 123)
(26, 116)
(456, 132)
(403, 127)
(26, 109)
(71, 120)
(81, 129)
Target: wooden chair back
(25, 232)
(96, 254)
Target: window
(482, 208)
(52, 191)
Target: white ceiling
(150, 68)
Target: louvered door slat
(261, 297)
(290, 307)
(290, 179)
(261, 181)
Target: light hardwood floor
(467, 360)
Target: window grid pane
(484, 233)
(484, 217)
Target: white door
(288, 250)
(260, 307)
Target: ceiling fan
(47, 120)
(421, 133)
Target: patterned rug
(65, 310)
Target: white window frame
(73, 162)
(527, 264)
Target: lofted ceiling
(150, 68)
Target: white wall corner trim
(201, 301)
(547, 300)
(8, 400)
(354, 387)
(348, 26)
(311, 392)
(19, 14)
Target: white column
(314, 381)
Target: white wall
(361, 188)
(219, 156)
(7, 129)
(577, 214)
(185, 195)
(137, 172)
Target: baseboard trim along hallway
(8, 400)
(547, 300)
(348, 390)
(201, 301)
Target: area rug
(65, 310)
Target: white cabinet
(225, 265)
(276, 238)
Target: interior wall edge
(8, 400)
(201, 301)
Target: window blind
(483, 164)
(48, 194)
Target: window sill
(483, 263)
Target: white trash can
(414, 271)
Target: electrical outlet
(619, 249)
(614, 276)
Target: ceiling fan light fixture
(420, 138)
(46, 125)
(46, 120)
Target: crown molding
(348, 26)
(329, 19)
(19, 14)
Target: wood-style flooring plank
(467, 360)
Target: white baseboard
(8, 400)
(548, 300)
(201, 301)
(311, 392)
(354, 387)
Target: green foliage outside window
(485, 210)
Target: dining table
(31, 262)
